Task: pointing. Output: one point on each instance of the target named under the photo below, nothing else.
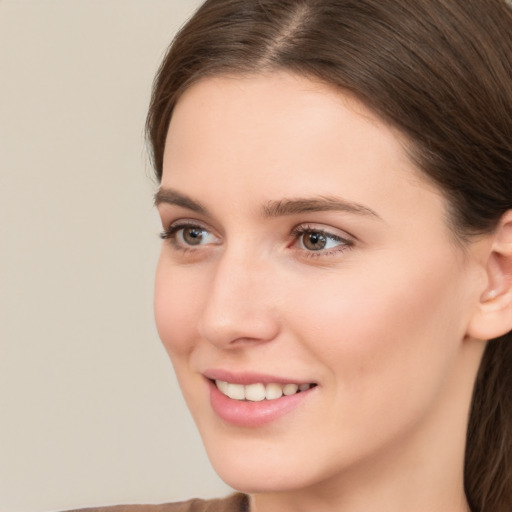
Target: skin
(379, 321)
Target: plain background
(90, 413)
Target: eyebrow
(170, 196)
(279, 208)
(315, 204)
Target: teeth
(223, 386)
(290, 389)
(236, 391)
(258, 392)
(273, 391)
(255, 392)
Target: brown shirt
(234, 503)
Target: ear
(493, 317)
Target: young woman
(335, 282)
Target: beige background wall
(90, 412)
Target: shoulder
(234, 503)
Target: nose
(240, 306)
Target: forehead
(277, 110)
(278, 125)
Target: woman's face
(303, 248)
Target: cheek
(175, 304)
(383, 335)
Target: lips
(252, 400)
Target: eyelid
(183, 223)
(326, 229)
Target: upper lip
(250, 377)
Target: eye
(316, 240)
(191, 235)
(187, 236)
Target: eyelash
(296, 234)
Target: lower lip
(244, 413)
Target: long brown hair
(438, 70)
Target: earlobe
(493, 317)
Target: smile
(258, 392)
(253, 401)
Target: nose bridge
(238, 306)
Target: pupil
(193, 236)
(315, 241)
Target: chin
(259, 478)
(254, 464)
